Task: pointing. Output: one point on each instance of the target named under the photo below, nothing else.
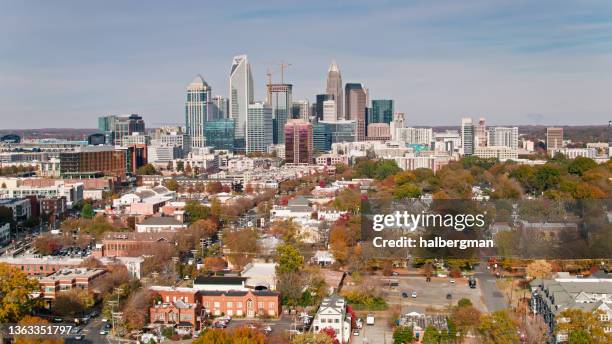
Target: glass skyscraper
(382, 111)
(281, 101)
(220, 134)
(259, 127)
(240, 96)
(321, 137)
(198, 110)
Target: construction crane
(283, 65)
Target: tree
(386, 168)
(583, 326)
(312, 338)
(214, 263)
(196, 211)
(147, 169)
(498, 328)
(32, 320)
(539, 269)
(15, 294)
(407, 190)
(46, 244)
(403, 335)
(87, 212)
(331, 333)
(465, 317)
(240, 335)
(288, 258)
(136, 309)
(580, 165)
(172, 184)
(242, 245)
(72, 302)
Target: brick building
(130, 244)
(68, 279)
(187, 307)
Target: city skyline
(546, 63)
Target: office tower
(379, 132)
(330, 111)
(259, 127)
(116, 127)
(321, 98)
(280, 96)
(298, 142)
(198, 110)
(503, 136)
(220, 134)
(467, 136)
(415, 136)
(321, 137)
(398, 122)
(334, 87)
(480, 133)
(554, 138)
(382, 111)
(447, 141)
(300, 109)
(220, 107)
(92, 161)
(341, 130)
(355, 107)
(240, 96)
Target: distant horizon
(67, 62)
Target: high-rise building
(503, 137)
(355, 107)
(398, 122)
(116, 127)
(334, 87)
(379, 132)
(240, 96)
(382, 111)
(300, 109)
(220, 107)
(321, 137)
(554, 138)
(298, 142)
(415, 136)
(281, 102)
(220, 134)
(480, 132)
(198, 110)
(93, 161)
(330, 111)
(342, 130)
(467, 136)
(259, 127)
(321, 98)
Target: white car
(414, 294)
(452, 280)
(356, 333)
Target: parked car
(356, 333)
(414, 294)
(404, 294)
(452, 280)
(449, 296)
(370, 319)
(103, 330)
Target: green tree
(288, 258)
(196, 211)
(172, 184)
(583, 327)
(407, 190)
(15, 294)
(580, 165)
(386, 168)
(498, 328)
(547, 177)
(147, 169)
(87, 212)
(403, 335)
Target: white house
(158, 224)
(332, 314)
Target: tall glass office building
(240, 96)
(220, 134)
(281, 101)
(198, 109)
(321, 137)
(341, 131)
(259, 127)
(382, 111)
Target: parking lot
(432, 295)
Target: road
(493, 298)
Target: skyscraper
(480, 133)
(198, 110)
(382, 111)
(220, 134)
(467, 136)
(259, 127)
(220, 108)
(334, 87)
(356, 102)
(554, 138)
(503, 136)
(240, 96)
(298, 142)
(321, 98)
(281, 99)
(116, 127)
(397, 123)
(300, 109)
(329, 111)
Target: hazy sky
(64, 63)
